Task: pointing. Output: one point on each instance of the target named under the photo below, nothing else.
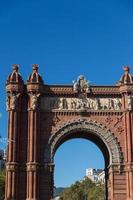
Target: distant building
(96, 175)
(101, 177)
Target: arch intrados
(100, 135)
(84, 134)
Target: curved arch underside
(90, 130)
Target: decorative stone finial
(126, 78)
(35, 77)
(15, 67)
(35, 67)
(15, 77)
(126, 69)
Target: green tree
(84, 190)
(2, 184)
(96, 193)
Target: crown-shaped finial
(35, 77)
(126, 78)
(35, 67)
(15, 67)
(126, 69)
(15, 77)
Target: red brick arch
(90, 130)
(41, 117)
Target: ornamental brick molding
(89, 127)
(41, 117)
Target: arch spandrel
(85, 129)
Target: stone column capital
(32, 166)
(12, 166)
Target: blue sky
(66, 38)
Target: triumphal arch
(42, 117)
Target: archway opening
(79, 156)
(92, 131)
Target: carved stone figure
(60, 104)
(73, 104)
(130, 102)
(88, 104)
(103, 104)
(110, 104)
(7, 103)
(92, 104)
(13, 101)
(82, 104)
(34, 101)
(117, 104)
(63, 104)
(56, 104)
(75, 86)
(96, 104)
(78, 105)
(81, 85)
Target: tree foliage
(84, 190)
(2, 184)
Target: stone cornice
(15, 87)
(34, 87)
(126, 89)
(68, 90)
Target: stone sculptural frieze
(51, 103)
